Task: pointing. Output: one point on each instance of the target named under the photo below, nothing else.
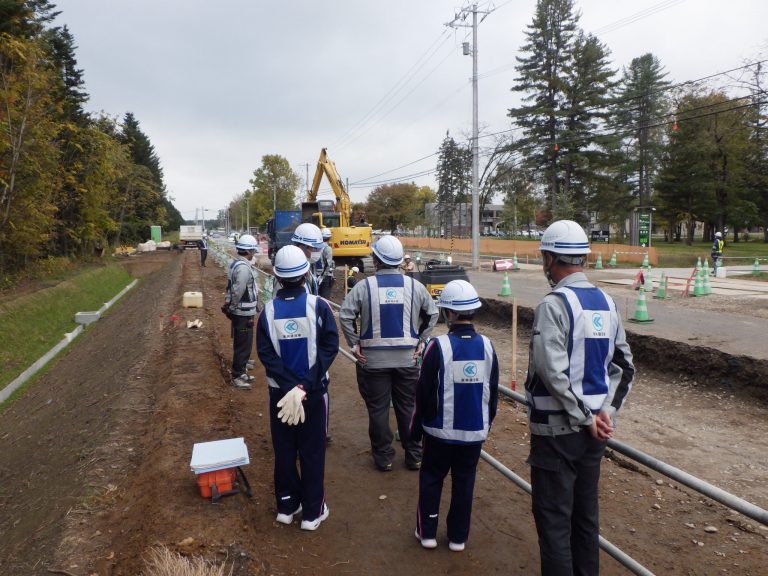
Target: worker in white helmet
(240, 302)
(309, 239)
(579, 373)
(396, 316)
(459, 376)
(297, 341)
(717, 251)
(324, 267)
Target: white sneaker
(250, 364)
(426, 542)
(248, 377)
(241, 383)
(456, 547)
(315, 524)
(287, 518)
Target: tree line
(71, 183)
(592, 144)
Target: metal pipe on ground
(705, 488)
(627, 561)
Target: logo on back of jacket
(598, 326)
(469, 373)
(291, 329)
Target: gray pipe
(705, 488)
(625, 560)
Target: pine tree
(585, 158)
(641, 106)
(542, 78)
(454, 165)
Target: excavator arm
(327, 167)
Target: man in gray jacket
(240, 304)
(579, 373)
(396, 317)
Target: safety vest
(292, 326)
(464, 391)
(249, 299)
(390, 301)
(717, 247)
(591, 342)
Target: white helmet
(565, 237)
(290, 262)
(718, 234)
(459, 295)
(307, 234)
(389, 250)
(246, 242)
(326, 233)
(407, 257)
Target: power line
(655, 9)
(397, 87)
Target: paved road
(732, 333)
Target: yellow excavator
(350, 242)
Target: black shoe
(413, 465)
(385, 467)
(328, 440)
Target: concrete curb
(69, 337)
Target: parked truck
(190, 235)
(280, 229)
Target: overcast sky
(217, 85)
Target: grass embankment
(33, 323)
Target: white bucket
(720, 272)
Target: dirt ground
(94, 462)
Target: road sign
(644, 229)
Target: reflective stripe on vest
(292, 327)
(464, 390)
(249, 300)
(591, 342)
(390, 302)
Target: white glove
(291, 410)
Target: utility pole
(458, 22)
(247, 215)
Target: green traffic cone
(698, 286)
(641, 310)
(705, 279)
(599, 263)
(698, 264)
(661, 293)
(612, 262)
(756, 267)
(515, 264)
(505, 289)
(645, 261)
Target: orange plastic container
(222, 479)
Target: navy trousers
(438, 458)
(307, 441)
(565, 471)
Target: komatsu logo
(353, 242)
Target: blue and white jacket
(458, 388)
(297, 341)
(579, 362)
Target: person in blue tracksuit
(297, 341)
(456, 398)
(579, 373)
